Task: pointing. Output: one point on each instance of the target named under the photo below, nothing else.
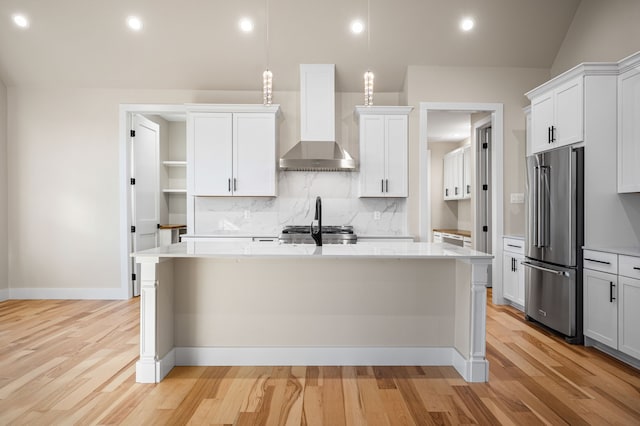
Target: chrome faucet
(316, 231)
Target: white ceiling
(196, 44)
(448, 126)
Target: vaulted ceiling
(196, 44)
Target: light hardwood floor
(72, 362)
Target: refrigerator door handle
(542, 268)
(542, 206)
(536, 201)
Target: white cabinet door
(210, 139)
(601, 307)
(396, 168)
(557, 116)
(629, 316)
(254, 159)
(509, 278)
(541, 122)
(466, 160)
(453, 175)
(372, 155)
(569, 112)
(629, 131)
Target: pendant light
(267, 75)
(368, 76)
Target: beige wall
(3, 190)
(467, 84)
(601, 31)
(63, 151)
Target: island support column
(157, 356)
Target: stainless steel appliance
(330, 235)
(554, 239)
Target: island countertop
(382, 250)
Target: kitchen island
(252, 303)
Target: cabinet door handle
(235, 185)
(381, 185)
(468, 189)
(229, 184)
(513, 264)
(549, 134)
(456, 190)
(553, 133)
(611, 286)
(386, 183)
(598, 261)
(446, 192)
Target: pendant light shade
(368, 88)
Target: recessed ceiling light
(134, 23)
(21, 20)
(466, 24)
(246, 25)
(357, 26)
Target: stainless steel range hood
(317, 149)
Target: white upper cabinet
(629, 125)
(384, 145)
(231, 150)
(457, 172)
(557, 116)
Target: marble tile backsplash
(295, 205)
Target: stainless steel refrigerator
(554, 239)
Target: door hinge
(485, 187)
(133, 181)
(132, 133)
(133, 277)
(484, 145)
(157, 226)
(485, 228)
(133, 229)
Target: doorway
(131, 117)
(493, 199)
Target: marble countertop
(378, 250)
(629, 251)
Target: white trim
(383, 110)
(116, 293)
(497, 169)
(471, 371)
(4, 294)
(125, 113)
(580, 70)
(274, 108)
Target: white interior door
(145, 191)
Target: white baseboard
(4, 294)
(68, 293)
(153, 372)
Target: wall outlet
(247, 214)
(376, 215)
(517, 198)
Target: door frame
(126, 112)
(497, 187)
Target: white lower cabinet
(601, 307)
(513, 271)
(611, 300)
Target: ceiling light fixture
(246, 25)
(20, 20)
(467, 24)
(134, 23)
(357, 26)
(267, 75)
(368, 76)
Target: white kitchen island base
(269, 304)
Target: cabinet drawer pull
(513, 245)
(636, 268)
(611, 286)
(598, 261)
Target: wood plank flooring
(73, 362)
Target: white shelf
(175, 163)
(174, 191)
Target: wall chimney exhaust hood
(317, 149)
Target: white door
(254, 154)
(372, 155)
(145, 190)
(210, 153)
(396, 130)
